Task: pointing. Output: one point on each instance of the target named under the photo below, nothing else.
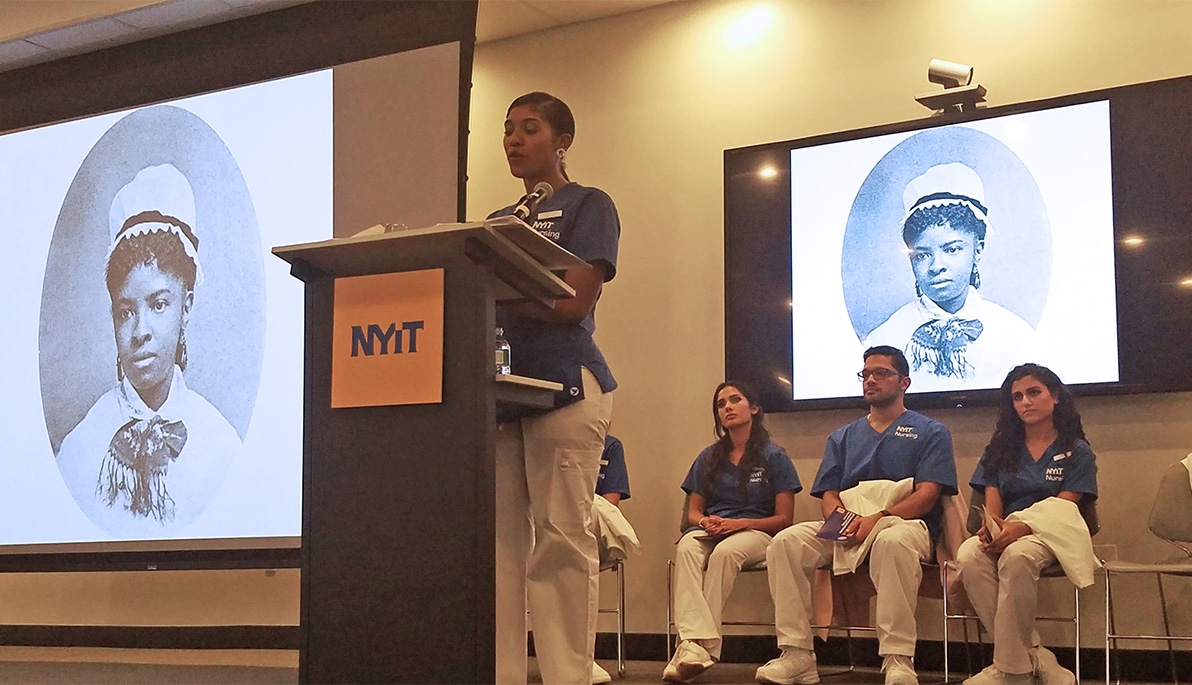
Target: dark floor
(71, 673)
(650, 672)
(120, 666)
(642, 672)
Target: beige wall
(660, 94)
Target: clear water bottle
(504, 356)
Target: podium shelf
(530, 392)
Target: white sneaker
(992, 676)
(690, 660)
(1044, 665)
(599, 675)
(899, 670)
(794, 666)
(670, 673)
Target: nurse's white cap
(946, 184)
(158, 198)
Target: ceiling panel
(496, 19)
(99, 32)
(574, 11)
(174, 15)
(19, 50)
(21, 18)
(69, 27)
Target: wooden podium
(398, 551)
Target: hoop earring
(180, 356)
(560, 152)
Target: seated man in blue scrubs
(891, 443)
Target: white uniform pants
(546, 469)
(894, 566)
(704, 576)
(1005, 591)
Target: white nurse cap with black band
(946, 184)
(158, 198)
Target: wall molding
(153, 637)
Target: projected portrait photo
(972, 247)
(968, 270)
(152, 324)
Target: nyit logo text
(546, 228)
(365, 338)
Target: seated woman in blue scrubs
(1038, 450)
(741, 492)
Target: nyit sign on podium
(387, 344)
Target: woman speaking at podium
(548, 460)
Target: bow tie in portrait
(133, 472)
(940, 345)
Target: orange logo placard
(387, 345)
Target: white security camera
(959, 93)
(949, 74)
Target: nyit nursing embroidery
(906, 432)
(758, 475)
(1054, 474)
(545, 224)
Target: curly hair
(754, 457)
(160, 248)
(1009, 435)
(958, 216)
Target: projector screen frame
(245, 51)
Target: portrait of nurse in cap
(150, 453)
(952, 336)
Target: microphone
(529, 203)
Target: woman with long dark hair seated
(1038, 451)
(741, 492)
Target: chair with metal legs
(760, 566)
(1088, 510)
(1053, 571)
(1171, 521)
(670, 605)
(617, 566)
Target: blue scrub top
(914, 446)
(1073, 470)
(726, 498)
(583, 221)
(613, 476)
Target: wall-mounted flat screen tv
(1057, 232)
